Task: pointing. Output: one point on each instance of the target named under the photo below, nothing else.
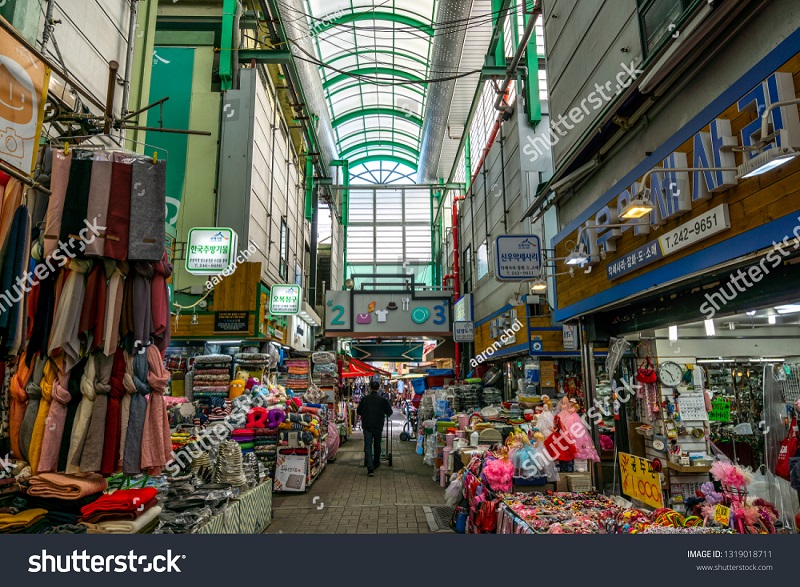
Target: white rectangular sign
(463, 331)
(210, 251)
(569, 335)
(697, 229)
(518, 257)
(285, 300)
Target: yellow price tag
(722, 515)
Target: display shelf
(688, 470)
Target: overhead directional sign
(397, 352)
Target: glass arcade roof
(376, 60)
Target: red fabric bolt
(114, 414)
(122, 500)
(94, 306)
(119, 212)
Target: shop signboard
(462, 309)
(640, 481)
(464, 331)
(210, 251)
(569, 335)
(24, 79)
(286, 300)
(231, 322)
(518, 257)
(720, 411)
(402, 312)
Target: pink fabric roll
(54, 430)
(55, 207)
(156, 439)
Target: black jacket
(373, 410)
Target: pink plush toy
(251, 383)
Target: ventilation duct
(446, 53)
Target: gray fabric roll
(188, 382)
(92, 453)
(97, 208)
(148, 204)
(132, 460)
(34, 391)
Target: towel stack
(297, 377)
(210, 383)
(126, 511)
(265, 445)
(244, 437)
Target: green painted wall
(24, 15)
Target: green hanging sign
(720, 411)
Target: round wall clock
(670, 374)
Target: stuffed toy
(251, 383)
(275, 418)
(258, 418)
(300, 418)
(236, 388)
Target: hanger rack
(66, 142)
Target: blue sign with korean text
(636, 259)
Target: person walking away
(373, 410)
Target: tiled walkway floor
(343, 500)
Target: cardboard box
(547, 373)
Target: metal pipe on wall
(126, 88)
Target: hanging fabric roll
(119, 209)
(114, 299)
(11, 200)
(93, 312)
(92, 450)
(19, 401)
(53, 432)
(75, 379)
(34, 392)
(76, 200)
(12, 296)
(142, 314)
(148, 205)
(160, 303)
(113, 415)
(132, 461)
(37, 437)
(156, 440)
(125, 407)
(55, 207)
(83, 415)
(66, 323)
(43, 317)
(97, 205)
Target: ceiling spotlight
(539, 285)
(673, 333)
(710, 329)
(577, 257)
(766, 161)
(732, 325)
(751, 313)
(772, 318)
(637, 208)
(349, 284)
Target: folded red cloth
(123, 500)
(106, 516)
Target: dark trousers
(372, 447)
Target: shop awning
(361, 369)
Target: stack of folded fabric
(325, 374)
(62, 511)
(229, 464)
(219, 409)
(297, 377)
(66, 486)
(266, 448)
(126, 511)
(211, 376)
(31, 521)
(245, 438)
(250, 365)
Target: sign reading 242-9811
(518, 257)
